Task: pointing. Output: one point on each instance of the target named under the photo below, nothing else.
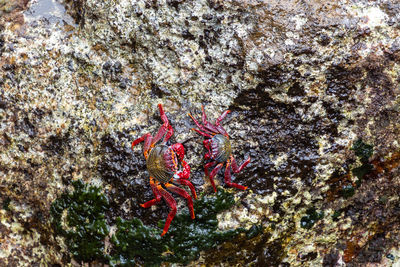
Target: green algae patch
(362, 150)
(79, 217)
(361, 171)
(347, 191)
(134, 239)
(254, 231)
(312, 216)
(6, 204)
(345, 185)
(184, 240)
(336, 215)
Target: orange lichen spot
(387, 165)
(350, 251)
(69, 28)
(336, 184)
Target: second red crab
(219, 150)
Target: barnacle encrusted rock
(313, 90)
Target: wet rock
(313, 93)
(117, 67)
(3, 104)
(331, 259)
(124, 83)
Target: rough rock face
(314, 92)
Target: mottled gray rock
(310, 86)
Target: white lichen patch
(257, 207)
(279, 159)
(241, 217)
(374, 20)
(268, 199)
(371, 16)
(299, 21)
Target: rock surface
(314, 92)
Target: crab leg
(208, 126)
(207, 133)
(237, 169)
(214, 128)
(208, 165)
(187, 183)
(182, 176)
(147, 143)
(195, 121)
(165, 128)
(184, 194)
(228, 178)
(213, 173)
(222, 131)
(179, 150)
(156, 191)
(140, 139)
(203, 134)
(218, 127)
(223, 115)
(172, 203)
(207, 144)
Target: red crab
(162, 164)
(219, 149)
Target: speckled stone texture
(313, 89)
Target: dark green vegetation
(6, 204)
(363, 152)
(85, 226)
(343, 184)
(184, 240)
(361, 171)
(312, 216)
(134, 239)
(347, 191)
(336, 215)
(254, 231)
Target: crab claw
(179, 150)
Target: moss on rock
(185, 239)
(311, 217)
(79, 216)
(84, 225)
(362, 150)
